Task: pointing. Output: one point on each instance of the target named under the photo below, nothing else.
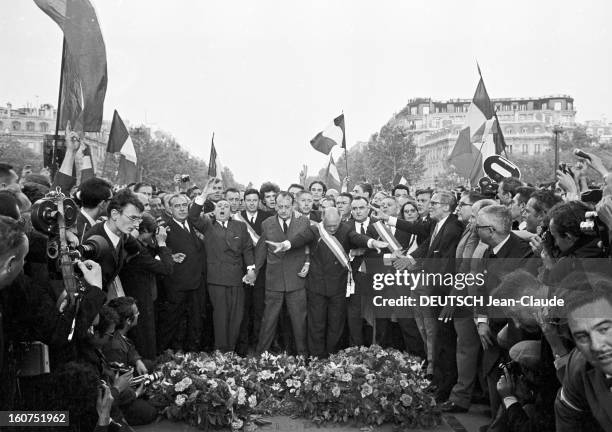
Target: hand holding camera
(161, 235)
(92, 272)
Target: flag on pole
(119, 141)
(215, 169)
(332, 135)
(84, 72)
(332, 176)
(399, 179)
(87, 169)
(480, 137)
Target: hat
(527, 353)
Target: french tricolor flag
(119, 141)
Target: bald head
(331, 219)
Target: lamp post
(556, 130)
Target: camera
(514, 369)
(592, 224)
(52, 215)
(147, 379)
(488, 187)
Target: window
(557, 106)
(537, 149)
(30, 126)
(44, 127)
(523, 107)
(426, 110)
(509, 148)
(537, 129)
(509, 131)
(569, 106)
(498, 107)
(413, 110)
(16, 126)
(544, 105)
(524, 130)
(525, 149)
(514, 107)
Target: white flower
(406, 399)
(289, 382)
(252, 401)
(403, 383)
(179, 387)
(231, 382)
(370, 377)
(241, 396)
(366, 390)
(187, 382)
(237, 424)
(347, 377)
(389, 381)
(276, 387)
(180, 399)
(212, 384)
(317, 387)
(297, 383)
(336, 391)
(174, 372)
(383, 402)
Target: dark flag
(332, 135)
(84, 75)
(214, 164)
(119, 141)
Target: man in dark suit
(282, 280)
(254, 295)
(94, 194)
(423, 226)
(506, 252)
(343, 203)
(124, 216)
(363, 279)
(327, 279)
(436, 255)
(182, 290)
(229, 249)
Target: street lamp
(556, 130)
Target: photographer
(94, 195)
(121, 350)
(124, 216)
(139, 279)
(28, 311)
(568, 248)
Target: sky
(266, 76)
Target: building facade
(526, 123)
(29, 125)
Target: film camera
(182, 178)
(51, 216)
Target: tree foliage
(160, 158)
(16, 154)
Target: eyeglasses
(463, 204)
(485, 226)
(433, 203)
(134, 219)
(180, 206)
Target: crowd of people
(218, 268)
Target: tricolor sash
(334, 245)
(386, 236)
(252, 233)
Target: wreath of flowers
(359, 385)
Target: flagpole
(54, 166)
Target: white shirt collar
(441, 222)
(89, 219)
(111, 235)
(288, 221)
(500, 245)
(365, 222)
(251, 215)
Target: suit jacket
(186, 276)
(422, 227)
(228, 251)
(282, 268)
(358, 260)
(327, 275)
(374, 259)
(439, 254)
(585, 390)
(81, 226)
(113, 262)
(262, 215)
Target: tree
(16, 154)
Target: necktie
(433, 236)
(284, 226)
(186, 226)
(252, 220)
(361, 229)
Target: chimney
(9, 106)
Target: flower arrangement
(362, 385)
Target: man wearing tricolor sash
(330, 278)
